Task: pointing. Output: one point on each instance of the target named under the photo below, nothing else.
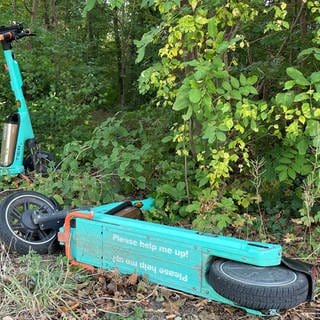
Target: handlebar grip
(7, 36)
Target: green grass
(35, 287)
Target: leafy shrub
(226, 120)
(113, 161)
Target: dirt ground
(126, 296)
(111, 296)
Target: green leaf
(316, 142)
(235, 82)
(207, 101)
(308, 51)
(212, 27)
(147, 3)
(194, 207)
(222, 47)
(200, 74)
(168, 189)
(116, 3)
(166, 139)
(181, 101)
(281, 167)
(210, 133)
(289, 84)
(285, 99)
(188, 115)
(243, 80)
(252, 80)
(251, 89)
(221, 136)
(291, 173)
(285, 161)
(302, 147)
(221, 74)
(88, 7)
(138, 167)
(223, 220)
(220, 91)
(58, 198)
(301, 97)
(195, 95)
(141, 182)
(217, 63)
(223, 127)
(245, 91)
(283, 176)
(211, 88)
(226, 85)
(253, 126)
(315, 77)
(146, 39)
(306, 169)
(201, 20)
(297, 76)
(228, 123)
(181, 186)
(235, 94)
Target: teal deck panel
(174, 257)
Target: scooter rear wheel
(259, 288)
(40, 162)
(17, 229)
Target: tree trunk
(53, 13)
(34, 11)
(120, 63)
(92, 48)
(14, 7)
(123, 58)
(50, 14)
(46, 14)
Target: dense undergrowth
(224, 133)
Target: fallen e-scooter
(250, 275)
(17, 129)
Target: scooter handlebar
(14, 32)
(24, 33)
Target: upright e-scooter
(250, 275)
(17, 129)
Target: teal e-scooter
(17, 128)
(253, 276)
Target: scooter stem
(16, 86)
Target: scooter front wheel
(17, 229)
(259, 288)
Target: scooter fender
(308, 269)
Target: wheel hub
(27, 221)
(269, 276)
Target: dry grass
(35, 287)
(47, 288)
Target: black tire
(41, 163)
(17, 229)
(259, 288)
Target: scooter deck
(170, 256)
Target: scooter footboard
(170, 256)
